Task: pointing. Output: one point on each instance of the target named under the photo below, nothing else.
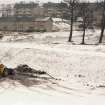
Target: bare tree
(8, 10)
(62, 8)
(102, 21)
(86, 14)
(71, 4)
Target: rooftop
(23, 19)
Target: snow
(58, 20)
(79, 69)
(40, 95)
(60, 24)
(43, 95)
(51, 58)
(79, 19)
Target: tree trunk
(84, 30)
(102, 25)
(102, 34)
(83, 38)
(71, 25)
(102, 30)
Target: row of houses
(29, 10)
(25, 17)
(28, 24)
(29, 16)
(33, 17)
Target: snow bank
(60, 25)
(80, 68)
(59, 20)
(92, 37)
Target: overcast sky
(13, 1)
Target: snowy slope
(60, 25)
(61, 61)
(80, 68)
(39, 96)
(92, 37)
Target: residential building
(28, 24)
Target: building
(29, 9)
(25, 17)
(26, 24)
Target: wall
(26, 26)
(7, 26)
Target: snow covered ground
(79, 69)
(52, 37)
(39, 95)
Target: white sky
(13, 1)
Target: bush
(30, 30)
(36, 30)
(1, 36)
(44, 30)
